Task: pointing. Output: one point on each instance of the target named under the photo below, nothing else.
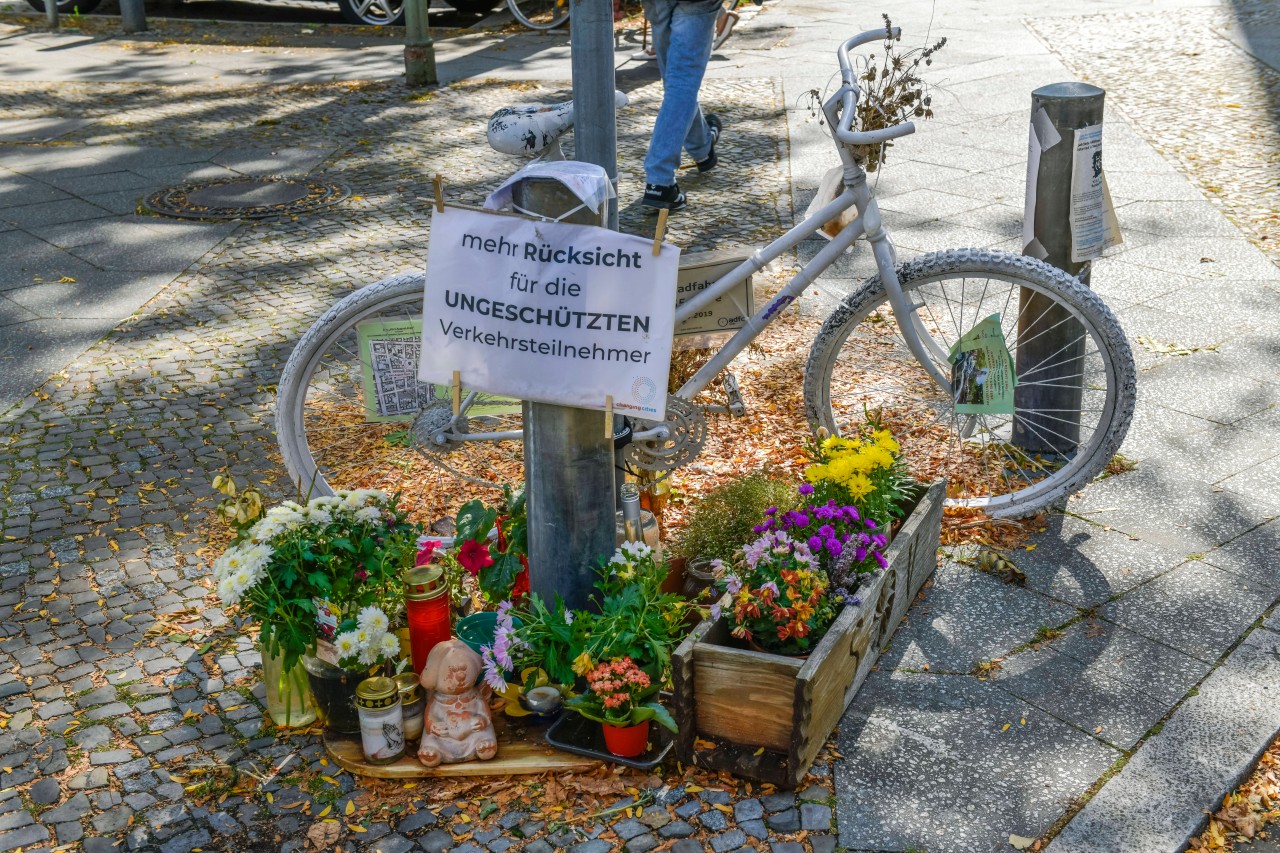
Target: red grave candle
(427, 609)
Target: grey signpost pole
(568, 455)
(51, 13)
(133, 18)
(1051, 335)
(419, 48)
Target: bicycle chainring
(688, 434)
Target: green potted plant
(618, 697)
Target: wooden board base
(521, 751)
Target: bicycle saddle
(532, 128)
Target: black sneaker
(711, 161)
(657, 196)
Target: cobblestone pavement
(129, 699)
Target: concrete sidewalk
(1114, 734)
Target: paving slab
(946, 763)
(1150, 806)
(967, 617)
(1118, 654)
(1196, 609)
(1083, 564)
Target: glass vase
(334, 689)
(288, 693)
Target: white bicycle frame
(840, 113)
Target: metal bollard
(419, 47)
(1048, 329)
(51, 13)
(133, 18)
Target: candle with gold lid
(426, 606)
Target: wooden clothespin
(457, 392)
(657, 235)
(439, 185)
(608, 416)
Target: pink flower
(474, 557)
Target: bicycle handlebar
(849, 94)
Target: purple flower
(884, 564)
(773, 510)
(871, 524)
(771, 586)
(826, 531)
(824, 512)
(715, 612)
(855, 601)
(492, 675)
(815, 543)
(801, 519)
(806, 489)
(852, 513)
(834, 546)
(860, 554)
(732, 584)
(879, 540)
(864, 539)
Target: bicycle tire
(859, 370)
(540, 14)
(327, 441)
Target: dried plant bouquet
(892, 91)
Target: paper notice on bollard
(982, 374)
(1094, 227)
(548, 311)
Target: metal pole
(568, 457)
(1050, 332)
(595, 127)
(133, 18)
(419, 47)
(568, 462)
(51, 13)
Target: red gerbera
(521, 587)
(474, 557)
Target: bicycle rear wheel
(323, 415)
(540, 14)
(1012, 464)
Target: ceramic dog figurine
(457, 726)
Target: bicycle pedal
(733, 396)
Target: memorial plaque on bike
(548, 311)
(728, 313)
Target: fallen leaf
(324, 834)
(1005, 727)
(1020, 842)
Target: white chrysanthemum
(317, 515)
(636, 550)
(361, 497)
(227, 592)
(370, 652)
(362, 637)
(256, 558)
(372, 620)
(389, 645)
(369, 514)
(346, 644)
(228, 562)
(324, 502)
(619, 558)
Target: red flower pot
(626, 741)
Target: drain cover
(247, 198)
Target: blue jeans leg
(682, 34)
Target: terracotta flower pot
(626, 741)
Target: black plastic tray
(575, 733)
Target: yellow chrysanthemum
(815, 473)
(859, 486)
(879, 456)
(885, 439)
(583, 664)
(841, 468)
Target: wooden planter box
(768, 715)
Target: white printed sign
(547, 311)
(1093, 220)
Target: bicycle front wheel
(351, 413)
(1074, 374)
(540, 14)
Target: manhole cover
(247, 198)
